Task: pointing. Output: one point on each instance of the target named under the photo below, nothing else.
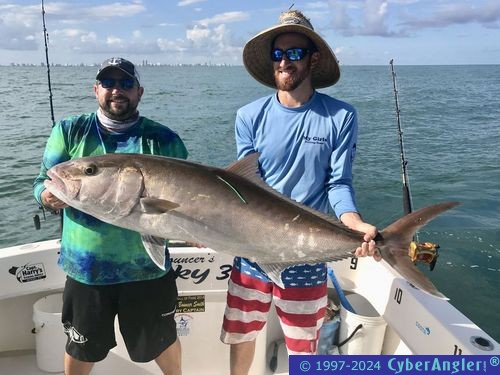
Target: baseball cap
(118, 63)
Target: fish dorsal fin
(248, 168)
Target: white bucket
(50, 337)
(368, 339)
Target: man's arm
(341, 192)
(55, 153)
(243, 136)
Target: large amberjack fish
(229, 210)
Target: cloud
(459, 13)
(115, 10)
(222, 18)
(90, 37)
(82, 13)
(413, 16)
(372, 16)
(184, 3)
(18, 26)
(114, 42)
(215, 41)
(166, 45)
(198, 35)
(69, 33)
(318, 5)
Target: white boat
(416, 322)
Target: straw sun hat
(257, 52)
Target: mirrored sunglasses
(109, 83)
(292, 54)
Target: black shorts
(145, 311)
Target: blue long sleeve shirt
(307, 152)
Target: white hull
(416, 322)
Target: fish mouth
(61, 189)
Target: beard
(119, 111)
(294, 80)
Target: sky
(361, 32)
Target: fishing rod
(46, 41)
(407, 203)
(425, 252)
(36, 218)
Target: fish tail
(394, 242)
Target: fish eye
(90, 170)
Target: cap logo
(115, 61)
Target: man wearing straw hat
(307, 142)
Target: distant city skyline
(140, 63)
(361, 32)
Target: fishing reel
(37, 220)
(424, 252)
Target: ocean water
(451, 123)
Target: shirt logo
(314, 140)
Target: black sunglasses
(292, 54)
(109, 83)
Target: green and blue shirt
(94, 252)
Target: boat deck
(24, 362)
(117, 362)
(20, 362)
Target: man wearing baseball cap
(307, 143)
(108, 271)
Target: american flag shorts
(300, 306)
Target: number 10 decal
(398, 295)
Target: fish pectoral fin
(273, 271)
(157, 205)
(155, 247)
